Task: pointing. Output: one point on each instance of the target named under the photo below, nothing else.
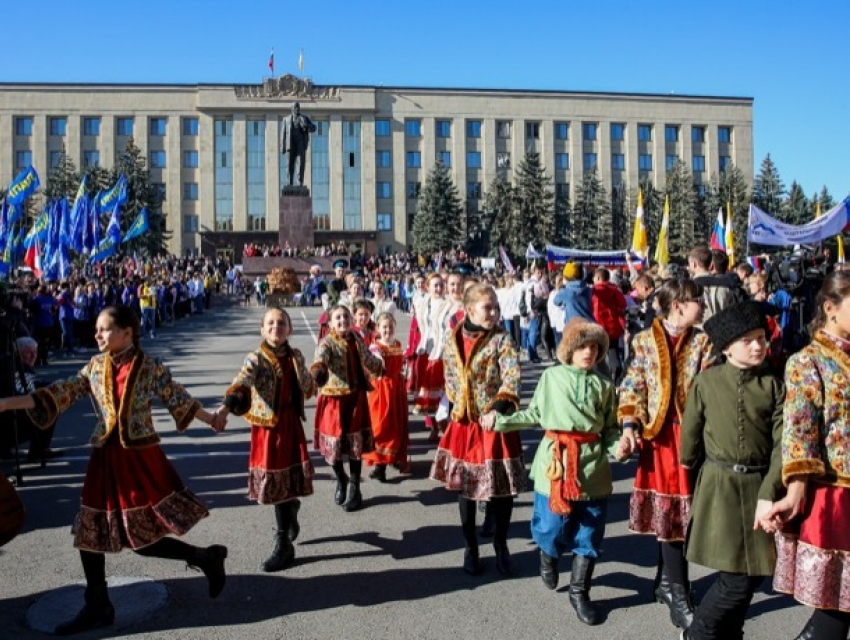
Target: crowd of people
(739, 440)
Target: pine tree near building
(534, 198)
(795, 208)
(141, 194)
(620, 218)
(591, 215)
(499, 205)
(437, 225)
(682, 230)
(769, 190)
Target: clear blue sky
(792, 57)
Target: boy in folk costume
(732, 427)
(341, 369)
(571, 473)
(269, 392)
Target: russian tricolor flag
(718, 233)
(755, 263)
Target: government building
(214, 149)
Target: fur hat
(572, 271)
(577, 334)
(726, 326)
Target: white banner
(765, 229)
(488, 263)
(560, 255)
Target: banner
(505, 259)
(106, 248)
(559, 256)
(139, 226)
(531, 253)
(115, 197)
(765, 229)
(488, 263)
(23, 186)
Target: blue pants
(533, 329)
(148, 319)
(67, 325)
(580, 532)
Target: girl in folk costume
(482, 379)
(429, 367)
(132, 497)
(380, 300)
(733, 427)
(665, 360)
(571, 473)
(354, 291)
(341, 368)
(388, 404)
(414, 335)
(361, 317)
(813, 544)
(270, 391)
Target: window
(644, 132)
(385, 222)
(698, 134)
(384, 190)
(618, 131)
(618, 162)
(473, 128)
(383, 159)
(503, 129)
(701, 190)
(588, 131)
(699, 164)
(157, 126)
(562, 190)
(190, 159)
(724, 134)
(672, 159)
(57, 126)
(445, 158)
(645, 162)
(124, 126)
(589, 161)
(23, 126)
(562, 131)
(725, 161)
(562, 160)
(413, 128)
(532, 130)
(382, 128)
(91, 158)
(190, 126)
(190, 224)
(190, 190)
(159, 189)
(91, 126)
(503, 160)
(56, 159)
(414, 159)
(473, 190)
(671, 133)
(157, 159)
(444, 128)
(473, 159)
(23, 159)
(413, 190)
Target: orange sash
(565, 486)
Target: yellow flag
(817, 211)
(662, 255)
(301, 60)
(639, 242)
(840, 250)
(730, 237)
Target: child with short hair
(270, 391)
(388, 403)
(341, 369)
(361, 313)
(571, 473)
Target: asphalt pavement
(391, 570)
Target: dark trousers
(721, 614)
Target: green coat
(733, 415)
(568, 398)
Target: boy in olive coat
(733, 427)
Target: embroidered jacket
(816, 433)
(331, 356)
(148, 379)
(490, 373)
(645, 391)
(256, 393)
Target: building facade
(214, 150)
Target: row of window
(91, 126)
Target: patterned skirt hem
(480, 482)
(273, 486)
(814, 577)
(664, 516)
(354, 445)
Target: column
(240, 187)
(368, 187)
(39, 146)
(401, 234)
(429, 144)
(632, 167)
(206, 172)
(273, 185)
(335, 159)
(488, 152)
(173, 178)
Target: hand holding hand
(488, 421)
(763, 507)
(219, 419)
(785, 510)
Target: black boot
(681, 608)
(294, 528)
(548, 570)
(503, 558)
(97, 612)
(582, 572)
(471, 562)
(353, 499)
(283, 555)
(826, 625)
(341, 489)
(488, 527)
(379, 473)
(211, 561)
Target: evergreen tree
(437, 224)
(590, 212)
(681, 235)
(562, 220)
(62, 180)
(795, 208)
(825, 200)
(499, 205)
(621, 227)
(769, 190)
(141, 194)
(535, 202)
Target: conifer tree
(682, 229)
(535, 202)
(437, 224)
(795, 208)
(499, 204)
(590, 212)
(769, 190)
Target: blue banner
(116, 196)
(139, 226)
(105, 249)
(38, 230)
(23, 186)
(113, 229)
(79, 213)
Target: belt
(737, 467)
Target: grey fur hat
(578, 333)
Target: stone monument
(296, 205)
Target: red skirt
(390, 423)
(661, 499)
(813, 557)
(343, 427)
(132, 498)
(480, 464)
(429, 376)
(279, 467)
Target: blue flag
(105, 249)
(5, 227)
(139, 226)
(65, 239)
(113, 229)
(116, 196)
(38, 232)
(23, 186)
(79, 213)
(94, 224)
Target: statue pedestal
(296, 218)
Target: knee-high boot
(678, 598)
(284, 553)
(502, 508)
(471, 562)
(582, 572)
(98, 610)
(353, 497)
(210, 560)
